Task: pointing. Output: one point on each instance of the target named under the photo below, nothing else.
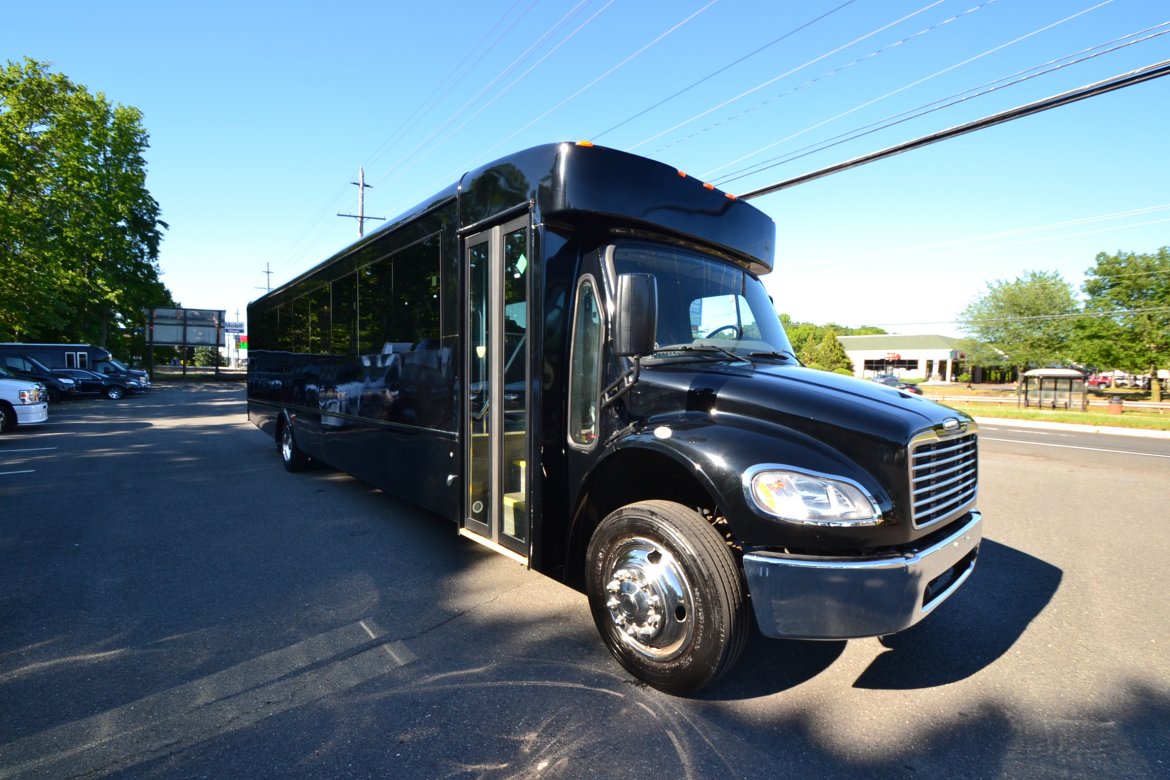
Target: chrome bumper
(846, 598)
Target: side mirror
(635, 321)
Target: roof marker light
(709, 186)
(584, 143)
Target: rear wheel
(291, 455)
(666, 595)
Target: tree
(1030, 320)
(208, 356)
(817, 345)
(1128, 314)
(79, 231)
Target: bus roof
(615, 186)
(611, 188)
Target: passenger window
(584, 387)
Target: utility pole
(267, 272)
(361, 215)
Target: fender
(718, 452)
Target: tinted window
(586, 356)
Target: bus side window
(584, 387)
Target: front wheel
(666, 595)
(114, 392)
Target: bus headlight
(808, 498)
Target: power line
(1029, 318)
(414, 157)
(591, 84)
(786, 74)
(912, 84)
(1072, 96)
(318, 220)
(1103, 314)
(948, 102)
(458, 73)
(726, 67)
(823, 77)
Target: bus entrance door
(496, 413)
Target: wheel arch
(629, 475)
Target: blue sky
(261, 113)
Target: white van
(21, 402)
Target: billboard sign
(185, 327)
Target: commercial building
(931, 358)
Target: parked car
(892, 381)
(84, 356)
(112, 386)
(28, 367)
(21, 402)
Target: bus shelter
(1055, 388)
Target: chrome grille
(944, 476)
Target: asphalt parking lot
(174, 604)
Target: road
(174, 605)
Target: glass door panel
(479, 511)
(497, 361)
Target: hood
(819, 404)
(727, 417)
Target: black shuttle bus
(570, 354)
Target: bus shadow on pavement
(980, 623)
(1008, 590)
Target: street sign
(233, 327)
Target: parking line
(10, 473)
(29, 449)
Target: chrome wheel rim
(286, 445)
(649, 599)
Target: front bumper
(845, 598)
(32, 414)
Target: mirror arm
(622, 385)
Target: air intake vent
(944, 476)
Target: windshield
(119, 365)
(704, 302)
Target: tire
(291, 455)
(7, 418)
(656, 554)
(114, 392)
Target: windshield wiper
(780, 355)
(704, 350)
